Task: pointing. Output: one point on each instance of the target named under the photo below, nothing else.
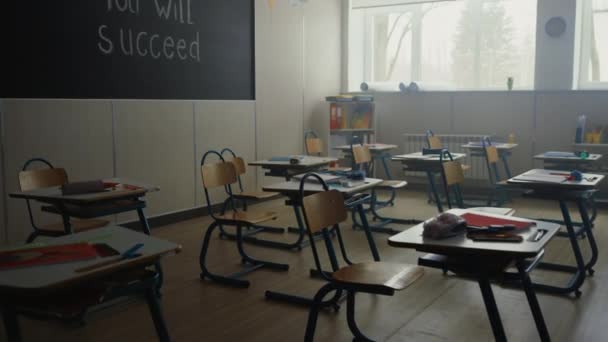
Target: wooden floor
(436, 308)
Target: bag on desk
(443, 226)
(78, 188)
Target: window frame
(583, 49)
(384, 6)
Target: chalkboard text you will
(166, 46)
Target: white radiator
(453, 142)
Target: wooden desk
(45, 281)
(429, 164)
(286, 170)
(291, 189)
(92, 205)
(568, 163)
(547, 184)
(485, 260)
(504, 152)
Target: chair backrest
(453, 174)
(361, 154)
(239, 166)
(492, 154)
(218, 174)
(324, 209)
(39, 178)
(434, 142)
(314, 146)
(42, 178)
(453, 178)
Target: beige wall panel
(73, 134)
(412, 113)
(221, 124)
(499, 114)
(155, 144)
(279, 80)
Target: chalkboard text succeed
(151, 49)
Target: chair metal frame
(252, 263)
(374, 204)
(37, 231)
(254, 229)
(318, 302)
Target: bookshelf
(348, 117)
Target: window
(594, 44)
(458, 44)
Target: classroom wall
(161, 142)
(541, 121)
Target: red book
(30, 257)
(477, 220)
(333, 123)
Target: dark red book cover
(29, 257)
(477, 220)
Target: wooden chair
(241, 168)
(48, 177)
(324, 211)
(453, 178)
(492, 159)
(434, 142)
(223, 174)
(244, 197)
(312, 144)
(362, 158)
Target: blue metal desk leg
(11, 324)
(506, 165)
(157, 315)
(146, 229)
(537, 313)
(590, 237)
(579, 270)
(368, 233)
(492, 309)
(434, 191)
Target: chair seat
(392, 184)
(255, 195)
(494, 210)
(77, 226)
(248, 217)
(383, 275)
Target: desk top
(565, 158)
(461, 245)
(294, 186)
(305, 162)
(418, 156)
(499, 146)
(54, 194)
(372, 147)
(554, 180)
(57, 276)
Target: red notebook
(46, 255)
(477, 220)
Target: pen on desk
(539, 234)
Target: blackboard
(128, 49)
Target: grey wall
(541, 121)
(161, 142)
